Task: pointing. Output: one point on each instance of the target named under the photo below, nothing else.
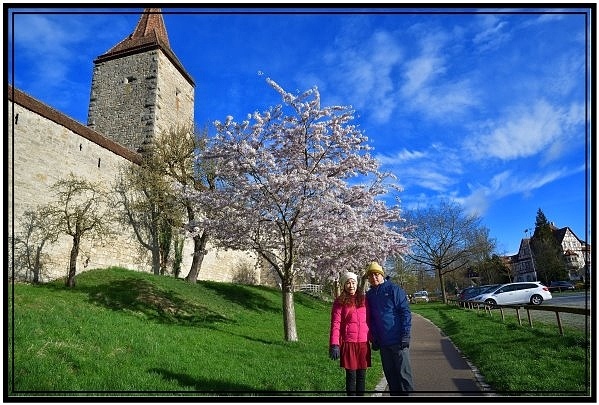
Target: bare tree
(147, 204)
(446, 240)
(81, 210)
(29, 259)
(174, 155)
(409, 274)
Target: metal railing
(309, 288)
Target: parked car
(470, 292)
(532, 292)
(419, 296)
(561, 286)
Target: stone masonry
(139, 90)
(48, 146)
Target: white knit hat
(346, 276)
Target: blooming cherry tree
(284, 192)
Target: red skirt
(355, 355)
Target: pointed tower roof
(150, 33)
(151, 25)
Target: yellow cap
(375, 268)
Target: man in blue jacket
(390, 322)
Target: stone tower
(139, 87)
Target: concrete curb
(380, 388)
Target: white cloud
(37, 33)
(45, 46)
(419, 72)
(437, 169)
(400, 157)
(444, 101)
(364, 73)
(523, 132)
(493, 33)
(431, 87)
(508, 183)
(566, 74)
(50, 45)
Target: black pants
(355, 382)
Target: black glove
(375, 347)
(334, 352)
(405, 343)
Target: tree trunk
(155, 249)
(156, 260)
(155, 242)
(73, 261)
(199, 251)
(442, 283)
(165, 236)
(289, 311)
(37, 267)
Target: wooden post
(559, 323)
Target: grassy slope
(120, 330)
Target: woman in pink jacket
(349, 334)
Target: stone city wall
(48, 146)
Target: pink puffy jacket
(348, 323)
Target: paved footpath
(438, 367)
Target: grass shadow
(143, 297)
(244, 296)
(450, 326)
(310, 301)
(209, 386)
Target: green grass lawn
(120, 331)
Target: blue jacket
(389, 317)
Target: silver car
(531, 292)
(420, 296)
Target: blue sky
(482, 106)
